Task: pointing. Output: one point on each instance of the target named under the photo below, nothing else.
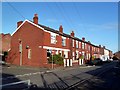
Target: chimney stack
(72, 34)
(100, 46)
(61, 29)
(83, 38)
(89, 42)
(19, 23)
(35, 18)
(104, 47)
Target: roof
(63, 34)
(54, 31)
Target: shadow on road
(104, 78)
(107, 77)
(10, 82)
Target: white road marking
(14, 83)
(87, 67)
(28, 74)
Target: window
(29, 53)
(53, 38)
(94, 48)
(48, 53)
(82, 45)
(85, 46)
(76, 44)
(77, 53)
(89, 48)
(79, 44)
(63, 41)
(73, 43)
(66, 54)
(98, 49)
(73, 54)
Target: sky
(96, 21)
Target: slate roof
(63, 34)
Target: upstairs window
(79, 44)
(63, 41)
(73, 43)
(83, 45)
(89, 48)
(76, 44)
(53, 38)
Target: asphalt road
(82, 77)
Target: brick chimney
(83, 38)
(89, 42)
(100, 46)
(104, 47)
(72, 33)
(35, 18)
(19, 23)
(61, 29)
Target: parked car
(96, 61)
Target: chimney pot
(83, 39)
(99, 45)
(19, 23)
(35, 18)
(61, 29)
(89, 42)
(72, 33)
(104, 47)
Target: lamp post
(52, 59)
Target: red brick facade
(31, 41)
(5, 40)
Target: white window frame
(66, 54)
(53, 38)
(83, 47)
(29, 53)
(63, 41)
(77, 44)
(73, 42)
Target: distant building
(117, 55)
(5, 40)
(32, 44)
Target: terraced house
(31, 43)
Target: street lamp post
(52, 59)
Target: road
(82, 77)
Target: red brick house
(5, 40)
(31, 43)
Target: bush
(81, 57)
(57, 59)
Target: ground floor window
(48, 53)
(29, 53)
